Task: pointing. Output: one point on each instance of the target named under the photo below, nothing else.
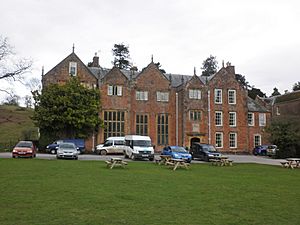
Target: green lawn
(35, 191)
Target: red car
(24, 149)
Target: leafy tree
(121, 54)
(209, 66)
(11, 67)
(12, 100)
(296, 86)
(240, 78)
(67, 111)
(275, 92)
(285, 133)
(253, 92)
(159, 67)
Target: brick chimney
(95, 62)
(230, 68)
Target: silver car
(67, 150)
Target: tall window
(114, 123)
(262, 119)
(219, 118)
(277, 111)
(195, 115)
(231, 96)
(232, 140)
(162, 129)
(257, 139)
(73, 68)
(141, 95)
(232, 119)
(218, 96)
(219, 139)
(194, 94)
(251, 119)
(114, 90)
(162, 96)
(142, 124)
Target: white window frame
(257, 142)
(232, 97)
(195, 114)
(218, 96)
(141, 95)
(252, 119)
(277, 111)
(221, 118)
(220, 134)
(114, 90)
(162, 96)
(73, 65)
(234, 141)
(262, 119)
(119, 90)
(194, 94)
(233, 119)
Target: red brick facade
(171, 109)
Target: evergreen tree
(121, 54)
(275, 92)
(209, 66)
(296, 86)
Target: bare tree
(11, 67)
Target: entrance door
(194, 139)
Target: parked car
(24, 149)
(271, 150)
(67, 150)
(260, 150)
(177, 152)
(203, 151)
(112, 145)
(138, 147)
(52, 148)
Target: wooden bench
(284, 164)
(115, 162)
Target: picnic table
(292, 163)
(221, 161)
(163, 159)
(175, 163)
(115, 162)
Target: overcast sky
(261, 38)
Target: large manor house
(172, 109)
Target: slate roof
(253, 106)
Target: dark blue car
(260, 150)
(177, 152)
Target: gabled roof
(254, 106)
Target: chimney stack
(95, 61)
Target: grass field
(40, 192)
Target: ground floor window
(233, 140)
(141, 122)
(162, 129)
(114, 123)
(257, 139)
(219, 140)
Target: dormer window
(114, 90)
(73, 68)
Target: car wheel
(53, 151)
(103, 152)
(151, 159)
(206, 159)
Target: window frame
(195, 94)
(162, 96)
(234, 119)
(252, 119)
(231, 141)
(73, 65)
(218, 96)
(262, 120)
(195, 115)
(234, 96)
(221, 140)
(221, 118)
(255, 140)
(141, 95)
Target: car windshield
(142, 143)
(67, 146)
(178, 149)
(209, 148)
(24, 145)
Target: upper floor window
(141, 95)
(73, 68)
(231, 97)
(114, 90)
(218, 96)
(251, 119)
(232, 119)
(219, 118)
(262, 119)
(194, 94)
(277, 111)
(195, 115)
(162, 96)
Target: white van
(138, 147)
(112, 145)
